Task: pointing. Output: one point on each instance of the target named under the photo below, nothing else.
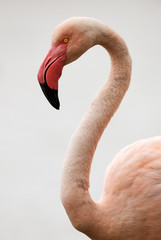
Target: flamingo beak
(50, 71)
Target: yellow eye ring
(66, 40)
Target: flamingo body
(132, 189)
(130, 204)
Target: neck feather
(75, 179)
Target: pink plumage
(130, 204)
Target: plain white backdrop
(34, 136)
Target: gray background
(34, 136)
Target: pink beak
(50, 71)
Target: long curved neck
(76, 169)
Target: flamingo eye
(66, 40)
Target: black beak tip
(56, 106)
(51, 95)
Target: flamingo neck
(76, 169)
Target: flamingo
(130, 204)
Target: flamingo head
(69, 41)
